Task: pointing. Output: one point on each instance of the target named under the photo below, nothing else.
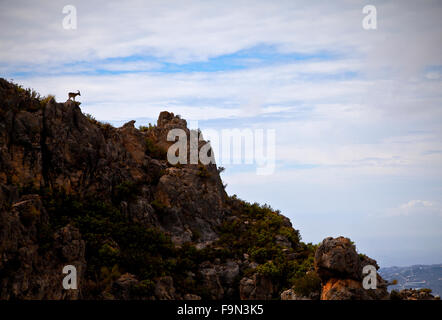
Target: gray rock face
(258, 287)
(192, 201)
(228, 272)
(212, 282)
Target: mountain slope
(76, 191)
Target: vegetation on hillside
(115, 244)
(16, 98)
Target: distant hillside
(415, 277)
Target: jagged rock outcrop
(340, 268)
(58, 146)
(337, 258)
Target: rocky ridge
(80, 192)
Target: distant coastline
(415, 277)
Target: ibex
(73, 95)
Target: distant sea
(415, 277)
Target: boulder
(340, 268)
(337, 258)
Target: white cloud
(417, 204)
(417, 207)
(198, 30)
(433, 75)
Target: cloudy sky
(357, 113)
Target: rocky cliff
(74, 191)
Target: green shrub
(45, 100)
(307, 284)
(124, 191)
(144, 288)
(108, 275)
(269, 269)
(158, 206)
(145, 129)
(111, 239)
(253, 231)
(105, 126)
(16, 98)
(154, 151)
(108, 255)
(202, 171)
(91, 118)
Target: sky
(357, 113)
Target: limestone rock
(337, 257)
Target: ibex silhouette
(73, 95)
